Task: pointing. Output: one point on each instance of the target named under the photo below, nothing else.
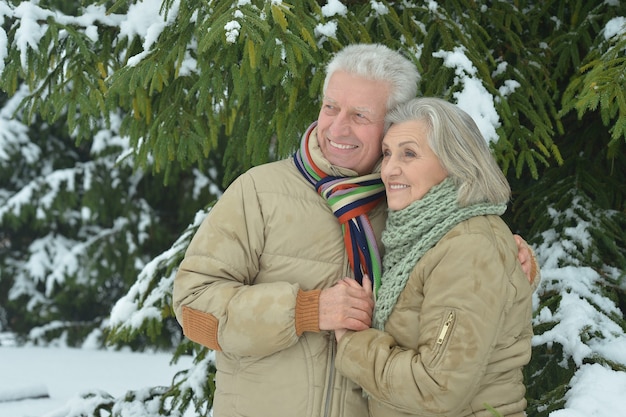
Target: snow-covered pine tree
(575, 214)
(190, 79)
(78, 224)
(78, 218)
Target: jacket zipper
(331, 376)
(445, 329)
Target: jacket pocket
(444, 333)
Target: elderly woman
(452, 322)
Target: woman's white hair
(379, 63)
(462, 150)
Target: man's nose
(340, 125)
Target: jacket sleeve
(465, 297)
(215, 296)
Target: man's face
(351, 121)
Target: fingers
(524, 254)
(368, 286)
(360, 291)
(347, 305)
(526, 258)
(339, 333)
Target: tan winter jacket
(458, 336)
(249, 286)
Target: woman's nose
(390, 167)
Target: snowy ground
(64, 373)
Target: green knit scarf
(412, 231)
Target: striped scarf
(350, 198)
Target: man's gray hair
(380, 63)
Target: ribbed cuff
(308, 311)
(201, 327)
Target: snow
(232, 31)
(596, 391)
(30, 32)
(126, 311)
(145, 20)
(615, 27)
(379, 8)
(63, 374)
(13, 133)
(328, 30)
(473, 97)
(23, 392)
(334, 7)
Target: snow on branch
(584, 321)
(144, 20)
(474, 97)
(144, 300)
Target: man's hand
(339, 333)
(346, 305)
(526, 258)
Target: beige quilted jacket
(458, 336)
(248, 288)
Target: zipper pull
(446, 327)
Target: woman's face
(409, 168)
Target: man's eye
(360, 118)
(330, 109)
